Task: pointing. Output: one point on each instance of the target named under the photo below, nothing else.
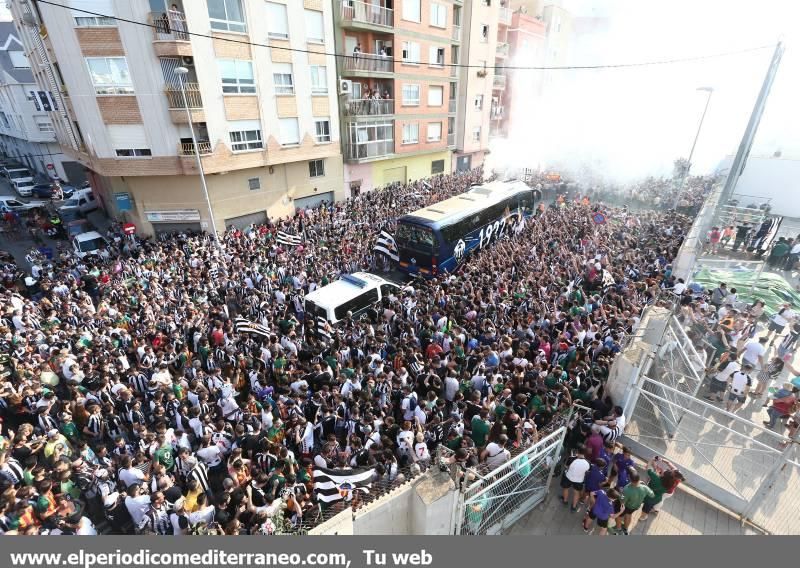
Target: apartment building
(477, 82)
(264, 116)
(26, 130)
(397, 88)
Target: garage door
(392, 175)
(313, 200)
(161, 228)
(244, 221)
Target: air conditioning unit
(187, 60)
(345, 87)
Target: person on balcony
(357, 50)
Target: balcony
(451, 139)
(367, 150)
(499, 82)
(497, 113)
(355, 12)
(170, 34)
(175, 97)
(451, 106)
(502, 50)
(369, 63)
(369, 107)
(187, 148)
(456, 33)
(505, 15)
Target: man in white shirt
(779, 321)
(137, 504)
(740, 382)
(754, 351)
(496, 453)
(719, 382)
(573, 478)
(130, 475)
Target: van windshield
(93, 244)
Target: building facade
(397, 88)
(26, 129)
(259, 88)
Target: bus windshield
(415, 237)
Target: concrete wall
(772, 178)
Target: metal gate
(735, 462)
(498, 498)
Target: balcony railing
(364, 150)
(169, 26)
(175, 98)
(187, 148)
(369, 62)
(451, 139)
(366, 13)
(499, 82)
(369, 107)
(451, 105)
(457, 33)
(505, 15)
(497, 113)
(502, 50)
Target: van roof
(345, 288)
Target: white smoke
(625, 123)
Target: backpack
(412, 403)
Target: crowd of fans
(128, 398)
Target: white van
(23, 187)
(92, 242)
(356, 293)
(82, 201)
(18, 174)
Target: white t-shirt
(496, 455)
(784, 318)
(210, 455)
(752, 351)
(739, 381)
(137, 507)
(730, 368)
(576, 472)
(130, 476)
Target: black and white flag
(332, 485)
(244, 325)
(289, 240)
(322, 328)
(387, 246)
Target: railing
(457, 33)
(366, 13)
(451, 105)
(187, 148)
(505, 15)
(451, 139)
(363, 150)
(499, 82)
(502, 49)
(175, 98)
(496, 113)
(369, 107)
(168, 26)
(369, 62)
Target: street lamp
(181, 73)
(685, 173)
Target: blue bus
(440, 237)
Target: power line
(458, 65)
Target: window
(277, 21)
(357, 304)
(226, 15)
(19, 60)
(435, 96)
(44, 124)
(434, 131)
(558, 24)
(437, 167)
(319, 79)
(282, 76)
(487, 2)
(290, 132)
(254, 184)
(237, 76)
(478, 102)
(439, 15)
(82, 19)
(411, 53)
(484, 33)
(110, 75)
(4, 118)
(410, 95)
(314, 28)
(322, 128)
(133, 152)
(245, 135)
(410, 133)
(476, 134)
(436, 56)
(316, 168)
(412, 11)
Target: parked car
(23, 187)
(45, 190)
(77, 227)
(13, 173)
(90, 243)
(82, 200)
(11, 204)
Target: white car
(82, 201)
(24, 187)
(11, 204)
(92, 242)
(356, 294)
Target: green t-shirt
(286, 325)
(454, 444)
(656, 487)
(275, 483)
(634, 495)
(480, 430)
(535, 403)
(70, 431)
(165, 455)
